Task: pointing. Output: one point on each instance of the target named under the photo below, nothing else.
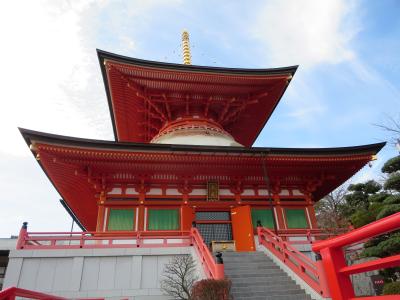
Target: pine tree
(382, 204)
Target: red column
(141, 211)
(279, 211)
(311, 212)
(100, 212)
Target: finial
(187, 59)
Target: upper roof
(145, 96)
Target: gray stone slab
(149, 272)
(29, 271)
(161, 262)
(76, 273)
(123, 271)
(45, 274)
(136, 272)
(90, 274)
(106, 273)
(63, 275)
(13, 272)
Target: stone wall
(133, 273)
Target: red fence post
(323, 282)
(340, 285)
(22, 235)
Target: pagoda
(183, 155)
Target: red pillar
(311, 212)
(279, 212)
(340, 285)
(100, 212)
(141, 211)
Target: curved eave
(78, 195)
(31, 135)
(103, 55)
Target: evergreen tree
(361, 207)
(381, 204)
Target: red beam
(361, 234)
(382, 263)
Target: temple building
(182, 178)
(183, 153)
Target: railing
(334, 262)
(13, 292)
(304, 267)
(77, 240)
(123, 239)
(308, 236)
(213, 269)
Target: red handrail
(304, 267)
(13, 292)
(334, 262)
(113, 239)
(120, 239)
(212, 269)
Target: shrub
(210, 289)
(392, 288)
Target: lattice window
(213, 216)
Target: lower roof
(67, 160)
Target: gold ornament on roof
(187, 58)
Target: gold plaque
(212, 191)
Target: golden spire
(187, 58)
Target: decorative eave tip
(187, 58)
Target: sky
(347, 82)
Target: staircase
(254, 276)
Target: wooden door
(242, 228)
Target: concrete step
(245, 268)
(274, 292)
(278, 281)
(266, 276)
(265, 288)
(252, 266)
(245, 259)
(254, 276)
(276, 297)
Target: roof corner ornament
(187, 58)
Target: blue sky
(348, 79)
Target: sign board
(377, 283)
(212, 191)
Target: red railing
(13, 292)
(307, 236)
(212, 269)
(123, 239)
(334, 262)
(303, 266)
(76, 240)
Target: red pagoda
(182, 179)
(183, 155)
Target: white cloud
(306, 32)
(51, 81)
